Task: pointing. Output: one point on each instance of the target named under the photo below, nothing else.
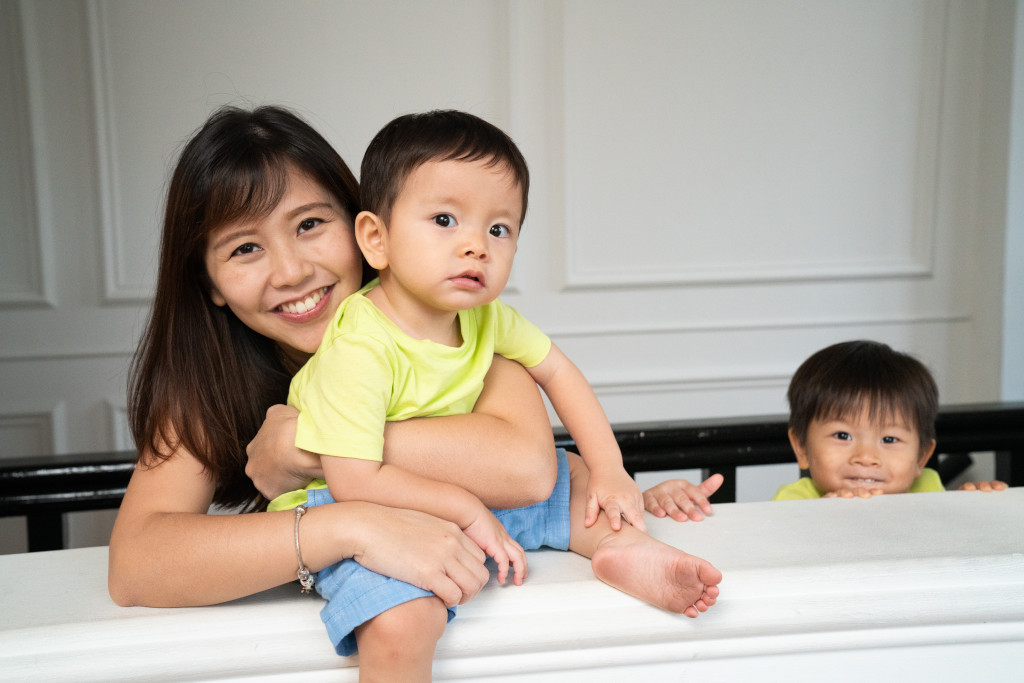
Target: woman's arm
(503, 452)
(166, 551)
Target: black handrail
(44, 488)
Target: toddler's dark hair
(843, 379)
(409, 141)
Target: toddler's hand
(858, 492)
(681, 500)
(617, 494)
(488, 533)
(986, 486)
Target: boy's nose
(475, 247)
(866, 454)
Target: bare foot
(656, 573)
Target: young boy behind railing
(862, 424)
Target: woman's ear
(801, 452)
(372, 238)
(217, 298)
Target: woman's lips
(309, 306)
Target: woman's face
(285, 274)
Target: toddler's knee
(409, 630)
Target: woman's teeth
(306, 304)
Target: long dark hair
(200, 379)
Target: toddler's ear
(372, 238)
(926, 454)
(798, 448)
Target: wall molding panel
(119, 286)
(32, 432)
(911, 218)
(25, 258)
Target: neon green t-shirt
(928, 482)
(367, 372)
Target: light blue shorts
(355, 594)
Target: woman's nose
(290, 268)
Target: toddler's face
(453, 233)
(855, 452)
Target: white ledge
(899, 586)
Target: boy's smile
(854, 452)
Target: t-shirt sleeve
(518, 339)
(803, 489)
(342, 395)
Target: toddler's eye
(500, 231)
(445, 220)
(247, 248)
(843, 436)
(889, 439)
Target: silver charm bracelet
(306, 579)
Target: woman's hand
(425, 551)
(681, 500)
(275, 465)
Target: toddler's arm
(681, 500)
(374, 482)
(610, 489)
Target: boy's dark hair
(409, 141)
(841, 380)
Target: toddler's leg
(399, 644)
(635, 563)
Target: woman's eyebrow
(309, 207)
(231, 236)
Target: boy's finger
(592, 510)
(712, 484)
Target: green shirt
(368, 372)
(803, 489)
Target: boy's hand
(488, 533)
(681, 500)
(859, 492)
(986, 486)
(617, 494)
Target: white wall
(720, 187)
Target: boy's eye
(445, 220)
(500, 231)
(309, 224)
(843, 436)
(247, 248)
(890, 439)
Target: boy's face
(453, 234)
(854, 452)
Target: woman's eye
(309, 224)
(247, 248)
(500, 231)
(445, 220)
